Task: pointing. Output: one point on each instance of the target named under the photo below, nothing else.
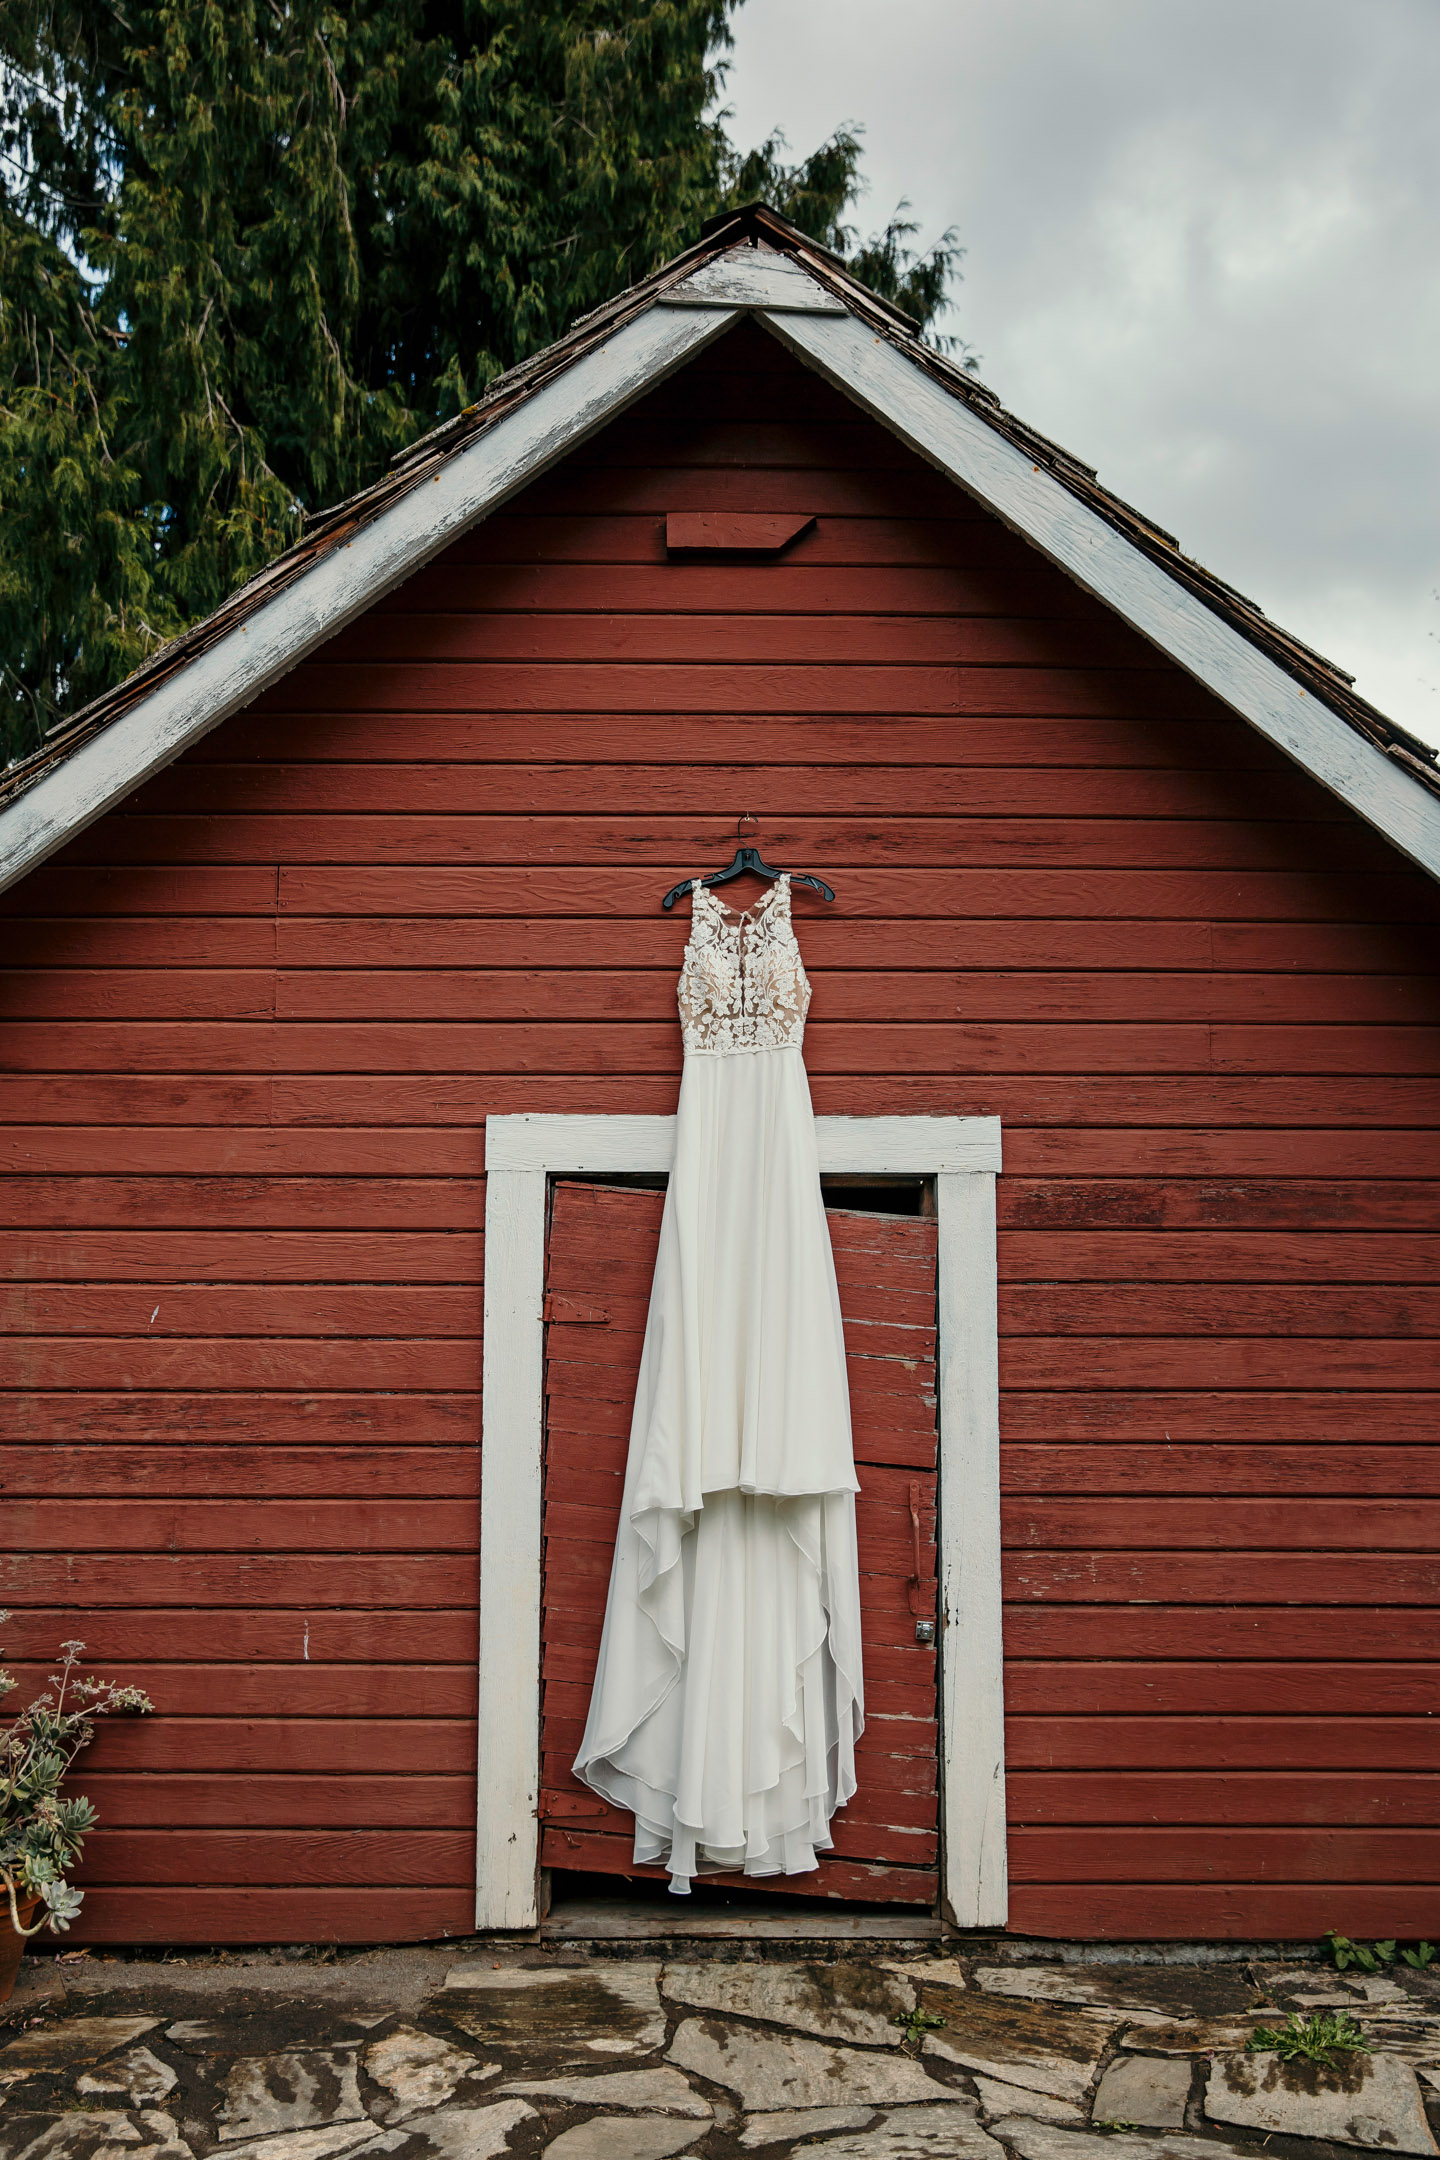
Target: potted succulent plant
(41, 1834)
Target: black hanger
(746, 858)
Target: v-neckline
(750, 914)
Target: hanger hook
(749, 818)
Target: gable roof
(753, 262)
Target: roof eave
(959, 441)
(750, 261)
(331, 590)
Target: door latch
(924, 1629)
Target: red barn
(1126, 1047)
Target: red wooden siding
(601, 1259)
(253, 1024)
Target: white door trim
(963, 1156)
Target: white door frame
(963, 1157)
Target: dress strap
(778, 892)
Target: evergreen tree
(250, 248)
(815, 195)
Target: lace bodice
(742, 986)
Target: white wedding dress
(728, 1696)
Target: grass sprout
(915, 2024)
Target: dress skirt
(728, 1696)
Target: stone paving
(628, 2058)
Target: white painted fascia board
(346, 580)
(747, 277)
(953, 437)
(880, 1147)
(521, 1152)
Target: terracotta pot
(12, 1946)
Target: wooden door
(601, 1259)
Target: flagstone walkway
(424, 2056)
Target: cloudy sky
(1203, 253)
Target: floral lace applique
(742, 986)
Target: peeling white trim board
(751, 278)
(522, 1153)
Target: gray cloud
(1204, 254)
